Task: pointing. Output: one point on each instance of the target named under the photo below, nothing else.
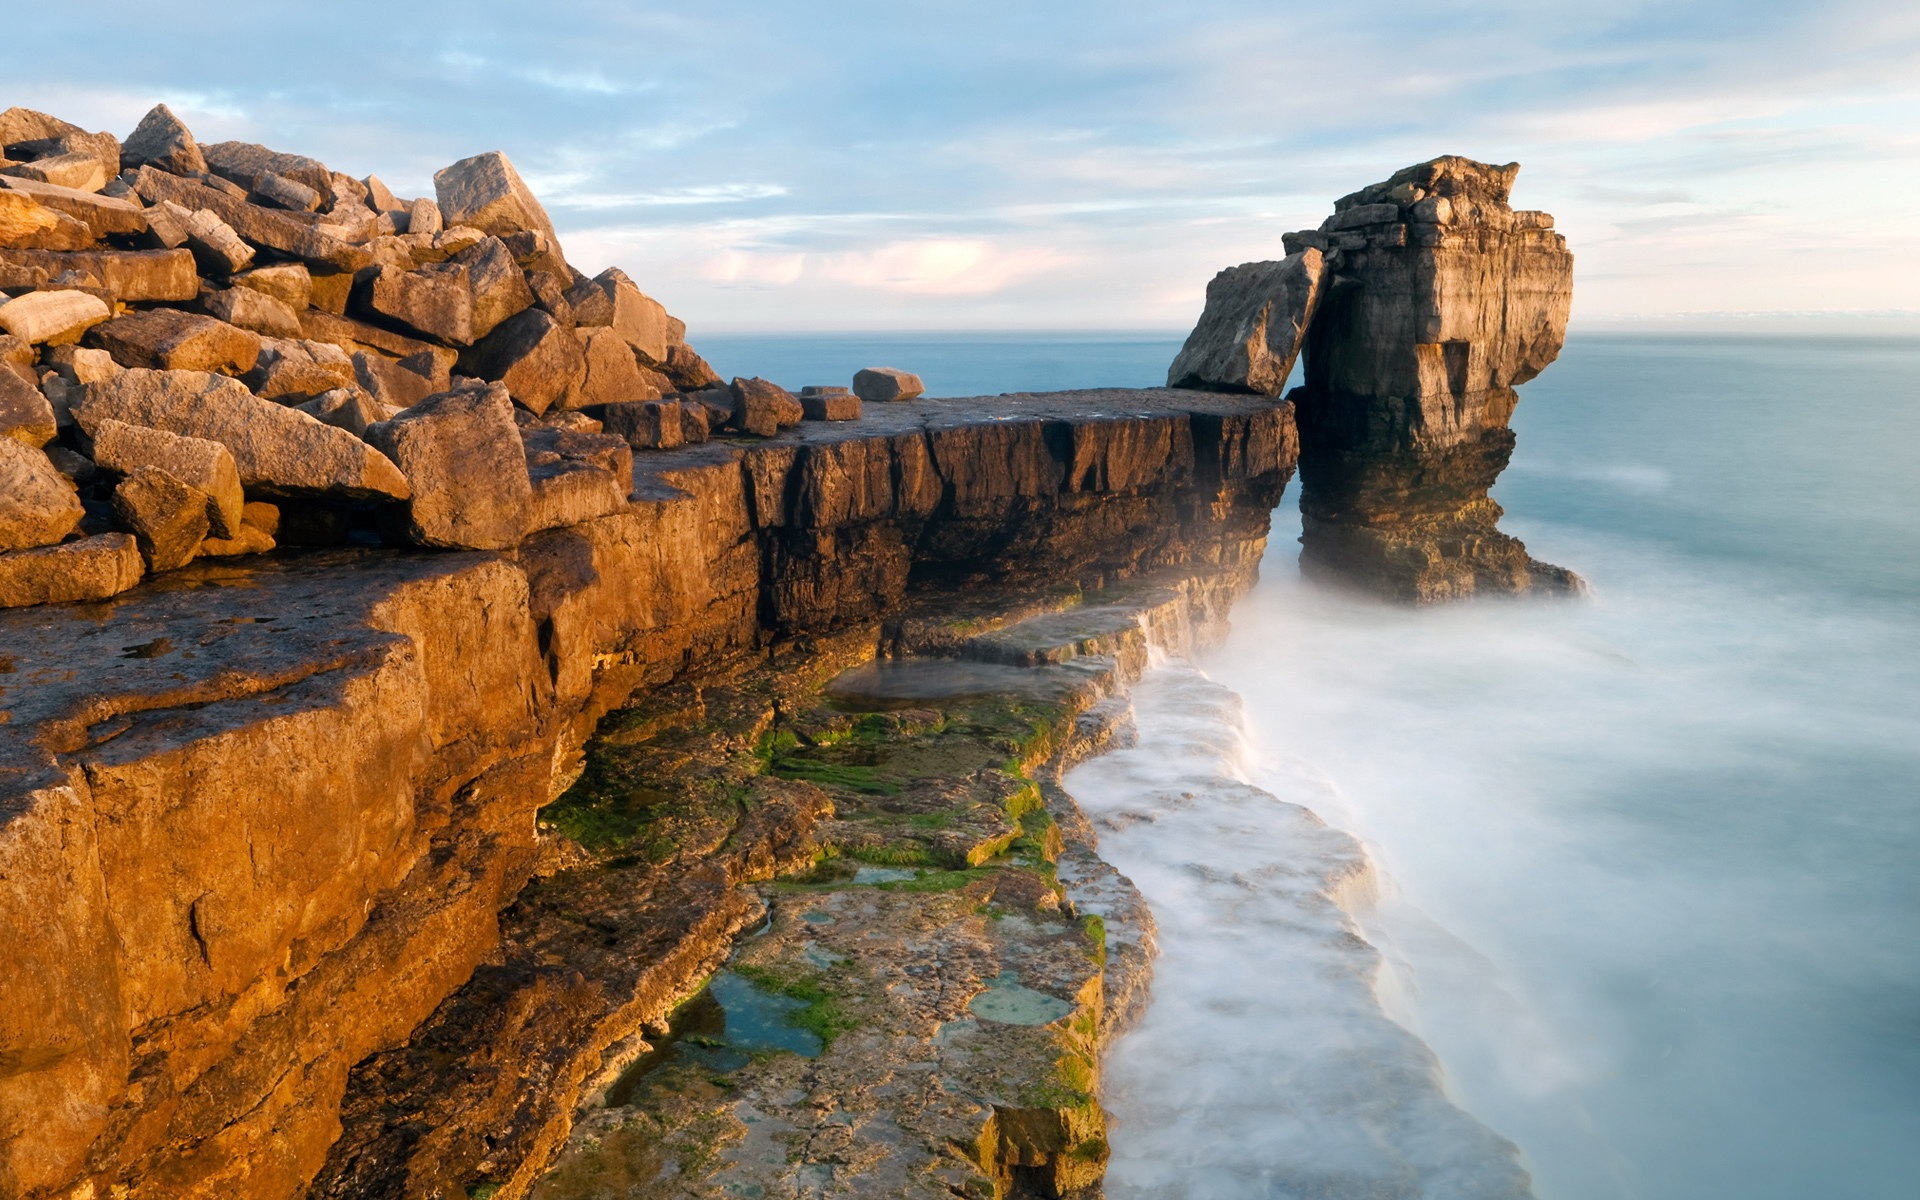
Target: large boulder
(131, 275)
(26, 416)
(167, 339)
(277, 450)
(763, 408)
(53, 318)
(205, 466)
(256, 312)
(485, 193)
(498, 285)
(614, 375)
(38, 505)
(435, 301)
(27, 224)
(883, 384)
(26, 135)
(462, 457)
(88, 569)
(538, 359)
(166, 517)
(162, 140)
(293, 370)
(103, 216)
(1252, 328)
(612, 300)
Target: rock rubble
(387, 365)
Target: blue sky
(988, 165)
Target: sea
(1594, 899)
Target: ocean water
(1620, 890)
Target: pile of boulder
(215, 350)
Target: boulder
(763, 408)
(245, 308)
(104, 216)
(400, 382)
(882, 384)
(694, 426)
(167, 518)
(462, 457)
(216, 247)
(496, 283)
(52, 318)
(291, 371)
(1253, 327)
(435, 302)
(538, 359)
(206, 466)
(687, 370)
(29, 135)
(646, 424)
(289, 283)
(277, 191)
(567, 493)
(278, 450)
(612, 300)
(38, 505)
(131, 275)
(613, 375)
(346, 408)
(546, 445)
(89, 569)
(423, 216)
(836, 405)
(27, 224)
(293, 235)
(80, 364)
(170, 340)
(162, 140)
(486, 193)
(77, 170)
(246, 164)
(25, 414)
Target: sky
(760, 165)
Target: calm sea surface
(1648, 864)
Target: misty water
(1643, 896)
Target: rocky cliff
(257, 824)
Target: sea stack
(1440, 300)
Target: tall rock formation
(1440, 300)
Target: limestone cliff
(257, 824)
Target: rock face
(1253, 327)
(1442, 300)
(322, 808)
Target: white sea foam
(1264, 1065)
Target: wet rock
(763, 408)
(53, 318)
(92, 568)
(38, 505)
(162, 140)
(170, 340)
(205, 466)
(132, 275)
(538, 359)
(26, 416)
(461, 454)
(277, 450)
(883, 384)
(166, 517)
(1253, 327)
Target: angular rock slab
(461, 454)
(485, 193)
(205, 466)
(277, 450)
(162, 140)
(764, 408)
(883, 384)
(166, 517)
(38, 505)
(167, 339)
(25, 414)
(1253, 327)
(27, 224)
(53, 318)
(90, 569)
(539, 360)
